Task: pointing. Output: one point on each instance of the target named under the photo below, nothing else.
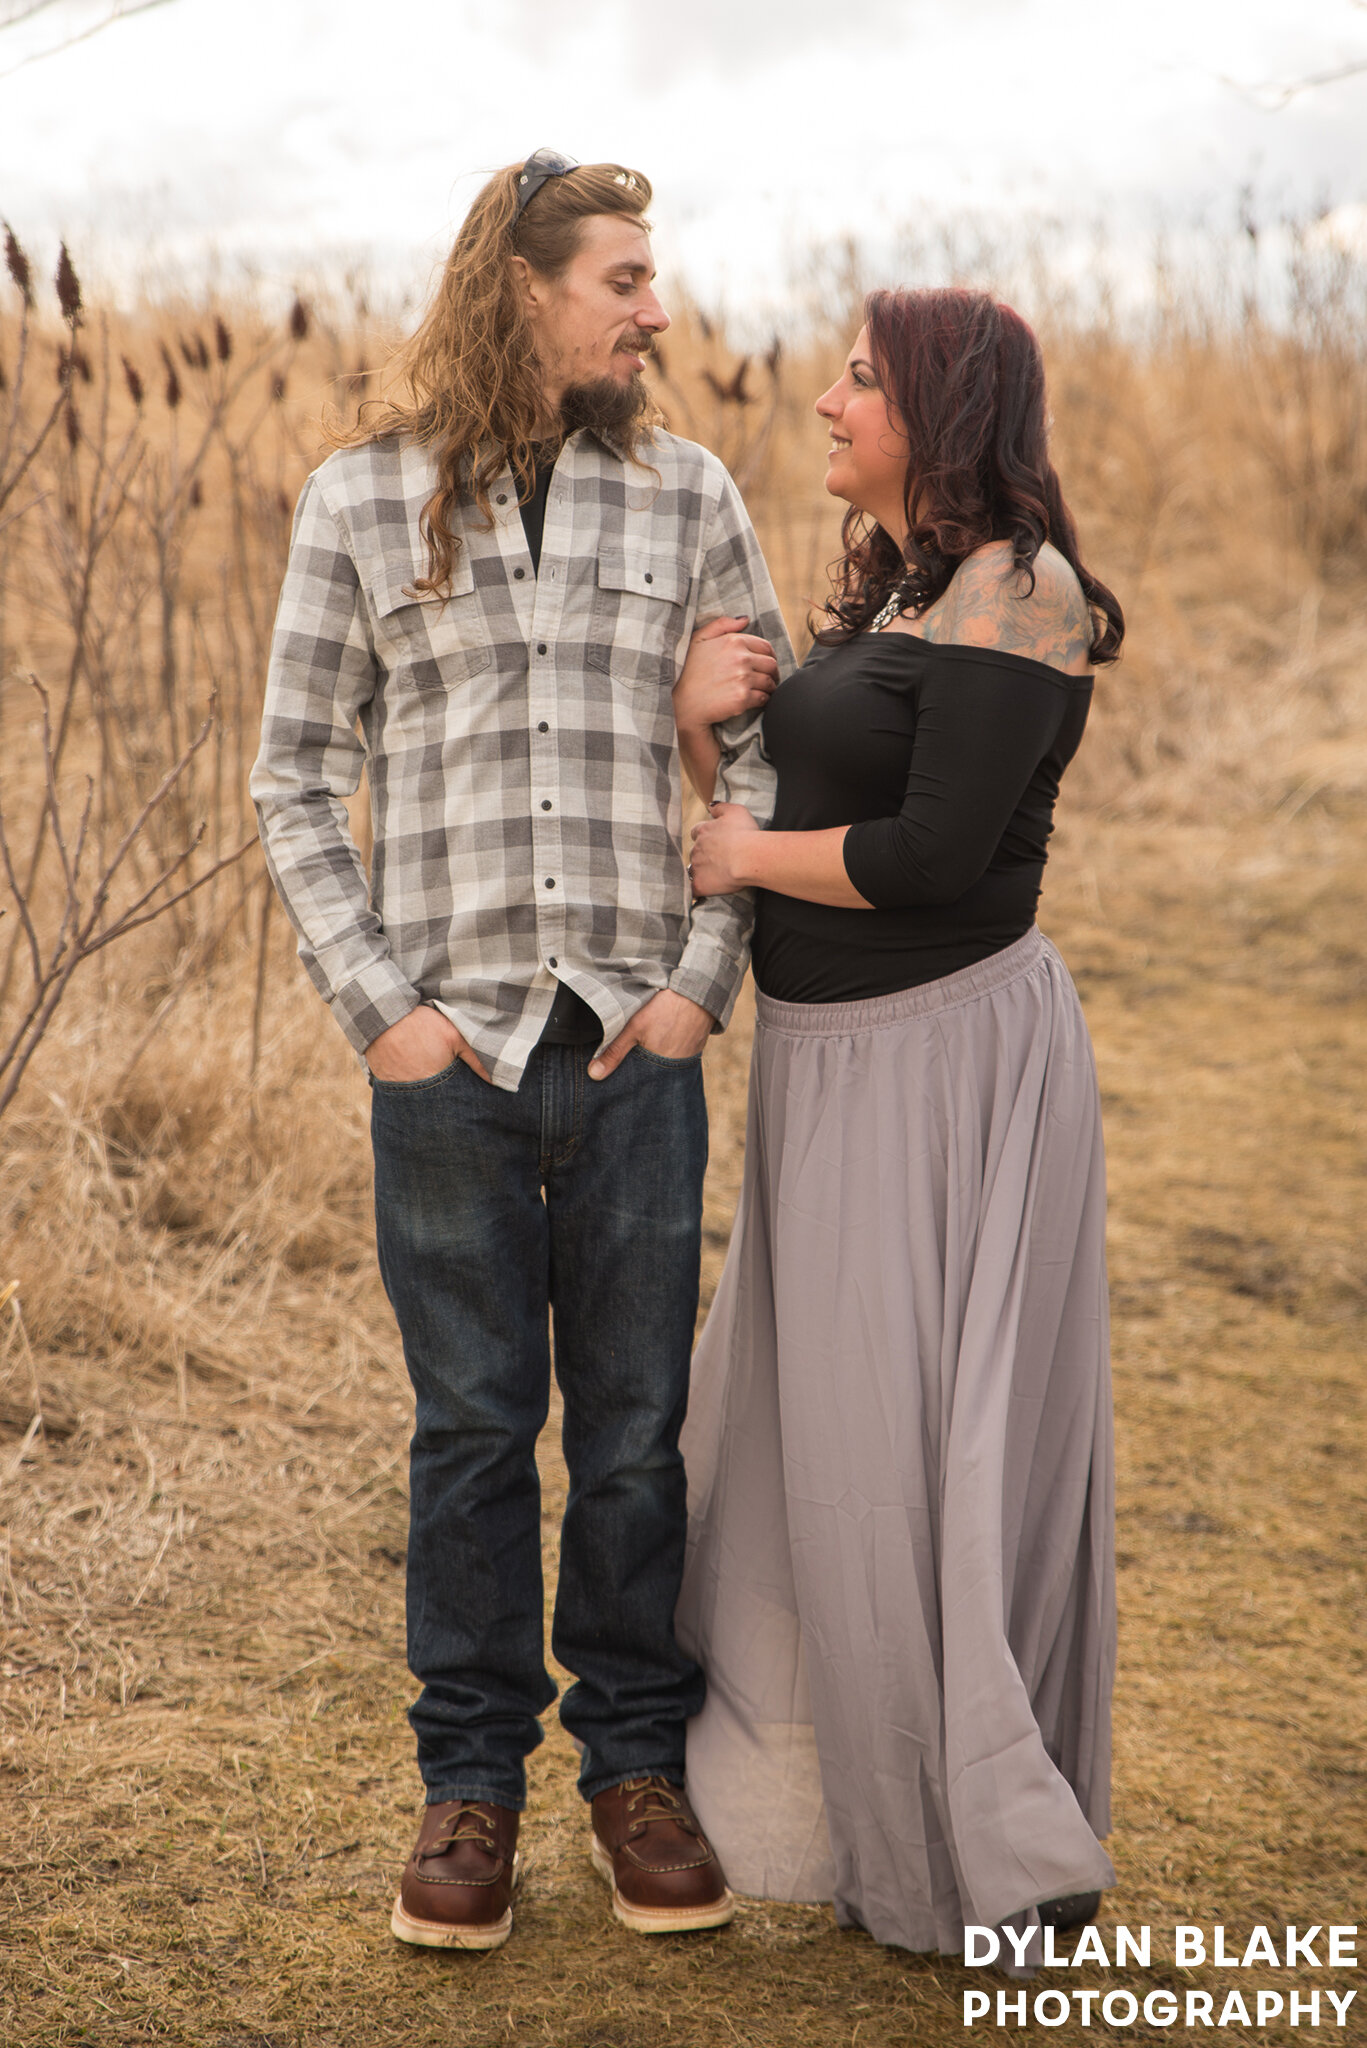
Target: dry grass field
(206, 1787)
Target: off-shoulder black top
(944, 761)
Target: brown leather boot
(665, 1878)
(458, 1884)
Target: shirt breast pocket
(637, 618)
(432, 642)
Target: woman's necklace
(893, 609)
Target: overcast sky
(293, 131)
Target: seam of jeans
(672, 1774)
(664, 1059)
(481, 1793)
(414, 1087)
(563, 1150)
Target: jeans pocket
(661, 1059)
(423, 1081)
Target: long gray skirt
(900, 1577)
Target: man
(498, 580)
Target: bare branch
(1272, 97)
(117, 10)
(78, 934)
(25, 919)
(118, 931)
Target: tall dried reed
(148, 465)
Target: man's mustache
(636, 344)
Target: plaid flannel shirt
(518, 738)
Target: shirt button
(649, 577)
(502, 498)
(552, 961)
(518, 575)
(545, 803)
(543, 727)
(541, 647)
(550, 881)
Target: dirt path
(205, 1778)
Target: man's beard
(613, 411)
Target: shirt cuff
(710, 977)
(372, 1002)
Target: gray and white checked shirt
(519, 741)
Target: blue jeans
(581, 1198)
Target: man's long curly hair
(467, 384)
(966, 376)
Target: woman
(900, 1576)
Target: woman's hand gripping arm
(727, 672)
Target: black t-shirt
(534, 510)
(572, 1021)
(945, 763)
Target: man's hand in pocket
(421, 1044)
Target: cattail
(133, 381)
(773, 356)
(195, 352)
(196, 494)
(172, 379)
(299, 320)
(223, 341)
(73, 427)
(17, 264)
(657, 357)
(68, 288)
(277, 387)
(4, 380)
(282, 504)
(734, 392)
(74, 362)
(704, 325)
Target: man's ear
(525, 284)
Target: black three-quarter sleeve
(983, 726)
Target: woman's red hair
(966, 375)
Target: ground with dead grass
(207, 1778)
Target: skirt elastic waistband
(875, 1013)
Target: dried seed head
(18, 266)
(196, 494)
(299, 320)
(277, 387)
(133, 381)
(773, 356)
(223, 341)
(282, 505)
(73, 427)
(4, 380)
(172, 379)
(74, 362)
(68, 287)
